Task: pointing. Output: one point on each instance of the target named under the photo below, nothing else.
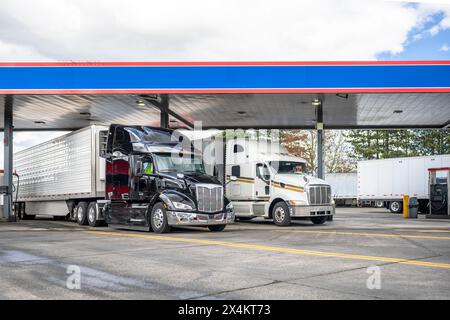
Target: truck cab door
(118, 176)
(142, 189)
(262, 181)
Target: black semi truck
(133, 177)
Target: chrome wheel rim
(80, 214)
(279, 214)
(158, 218)
(395, 206)
(91, 215)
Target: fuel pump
(13, 194)
(439, 186)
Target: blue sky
(428, 47)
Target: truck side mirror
(138, 169)
(261, 173)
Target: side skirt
(128, 227)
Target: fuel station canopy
(368, 94)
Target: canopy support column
(8, 159)
(164, 111)
(320, 141)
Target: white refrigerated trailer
(57, 174)
(388, 180)
(344, 187)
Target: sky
(220, 30)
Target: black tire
(280, 214)
(158, 219)
(379, 204)
(423, 207)
(396, 206)
(319, 220)
(244, 218)
(28, 216)
(92, 215)
(217, 228)
(81, 213)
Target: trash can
(413, 205)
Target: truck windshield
(168, 162)
(288, 167)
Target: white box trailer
(55, 174)
(344, 187)
(388, 180)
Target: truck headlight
(297, 202)
(181, 206)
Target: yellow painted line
(276, 249)
(425, 231)
(387, 235)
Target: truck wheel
(280, 214)
(396, 207)
(81, 211)
(92, 215)
(423, 207)
(319, 220)
(379, 204)
(27, 216)
(217, 228)
(158, 219)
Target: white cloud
(445, 48)
(182, 30)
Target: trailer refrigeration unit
(388, 180)
(345, 188)
(263, 180)
(133, 177)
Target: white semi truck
(264, 180)
(344, 186)
(386, 181)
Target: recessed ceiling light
(316, 102)
(342, 95)
(398, 111)
(140, 103)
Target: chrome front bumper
(312, 211)
(183, 218)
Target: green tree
(382, 144)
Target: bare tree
(303, 143)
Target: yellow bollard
(405, 207)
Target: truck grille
(319, 194)
(209, 197)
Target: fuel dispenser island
(439, 187)
(5, 192)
